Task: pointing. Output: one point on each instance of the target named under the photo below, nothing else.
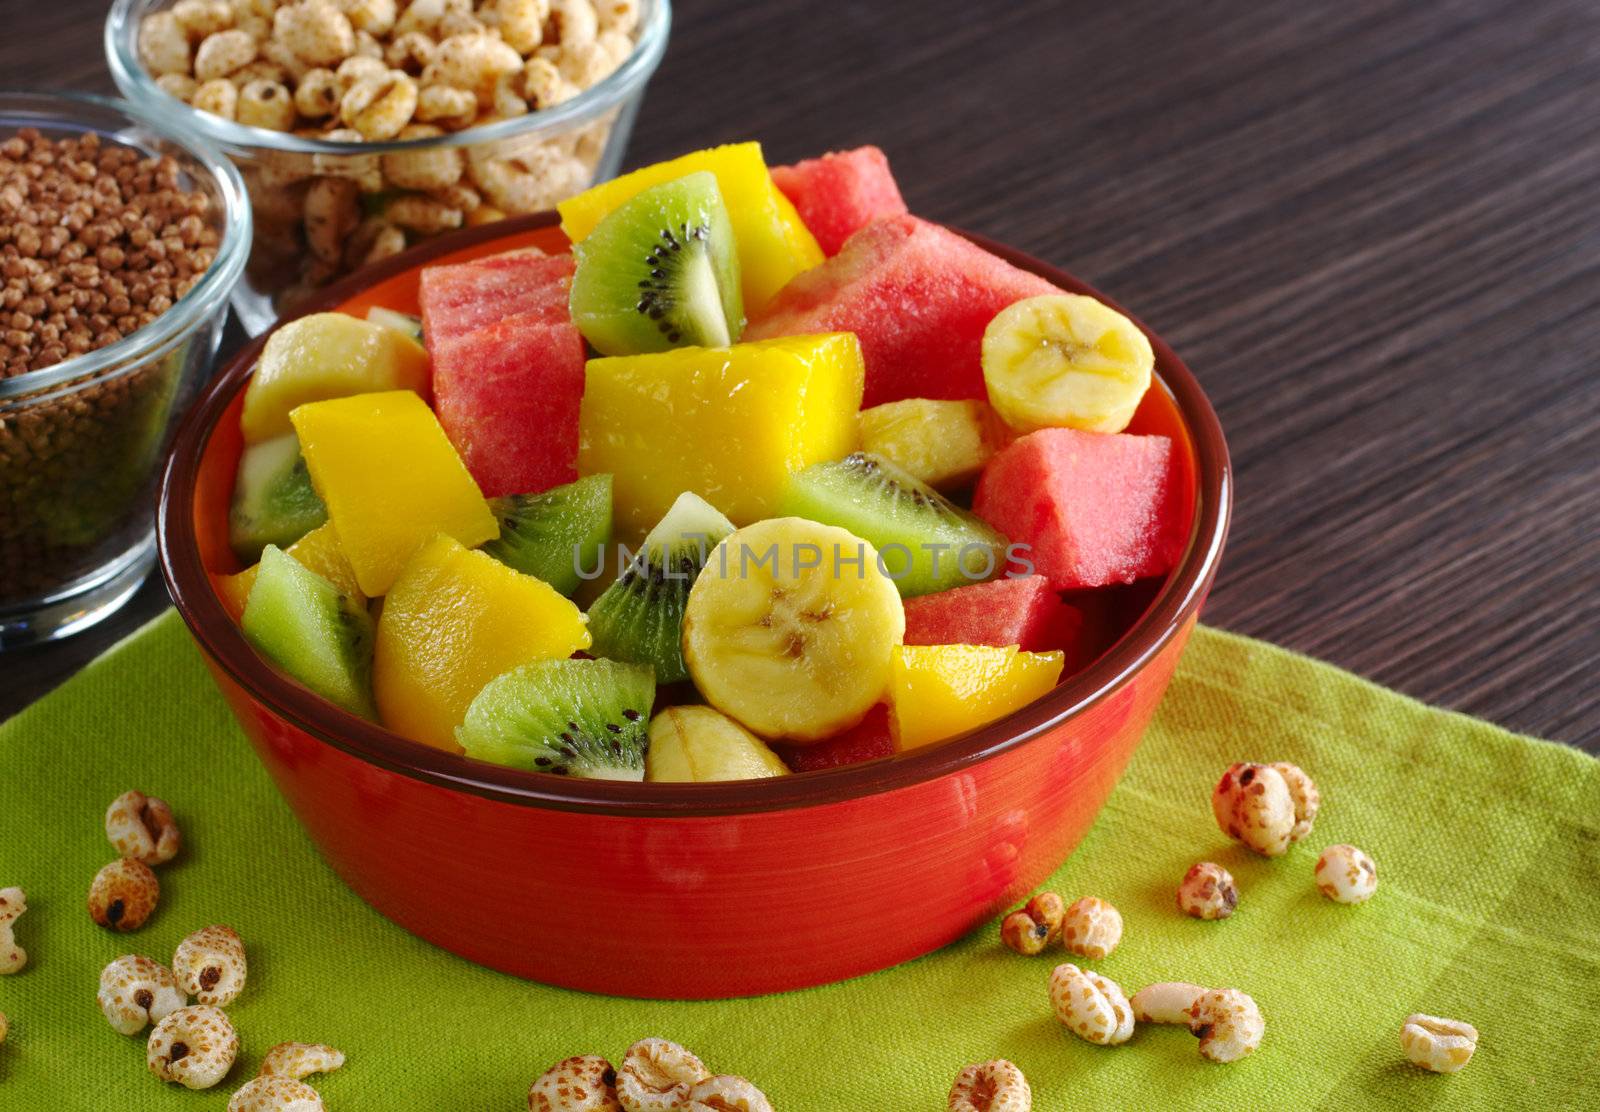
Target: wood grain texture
(1371, 228)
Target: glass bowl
(80, 441)
(727, 889)
(520, 164)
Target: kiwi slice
(588, 718)
(552, 535)
(640, 616)
(926, 542)
(309, 628)
(661, 271)
(273, 502)
(400, 322)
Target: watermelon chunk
(464, 297)
(917, 296)
(1093, 508)
(1025, 612)
(868, 740)
(508, 397)
(840, 192)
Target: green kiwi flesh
(639, 618)
(585, 718)
(555, 534)
(926, 542)
(660, 271)
(310, 629)
(273, 501)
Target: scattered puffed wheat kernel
(726, 1094)
(446, 105)
(260, 70)
(1035, 926)
(582, 1084)
(1091, 1006)
(136, 992)
(276, 1094)
(473, 62)
(411, 52)
(266, 104)
(353, 71)
(299, 1061)
(542, 84)
(1227, 1023)
(13, 902)
(200, 18)
(317, 32)
(220, 98)
(316, 96)
(1252, 805)
(222, 53)
(574, 21)
(1208, 892)
(1346, 875)
(996, 1086)
(123, 895)
(379, 108)
(656, 1076)
(1166, 1002)
(163, 44)
(193, 1046)
(1438, 1044)
(1091, 928)
(1305, 796)
(210, 965)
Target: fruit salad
(766, 476)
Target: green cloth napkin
(1487, 844)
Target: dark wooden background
(1371, 227)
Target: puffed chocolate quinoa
(380, 70)
(97, 240)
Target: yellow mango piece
(327, 355)
(729, 424)
(774, 243)
(943, 443)
(939, 691)
(318, 550)
(696, 745)
(454, 620)
(391, 480)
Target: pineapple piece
(693, 744)
(391, 481)
(943, 443)
(318, 550)
(939, 691)
(774, 243)
(326, 355)
(454, 620)
(729, 424)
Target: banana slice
(1065, 361)
(698, 744)
(790, 626)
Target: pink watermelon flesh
(508, 397)
(917, 296)
(1093, 508)
(1025, 612)
(840, 192)
(463, 297)
(866, 741)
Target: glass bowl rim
(1174, 608)
(207, 295)
(136, 83)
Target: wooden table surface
(1372, 229)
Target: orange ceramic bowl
(688, 890)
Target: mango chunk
(454, 620)
(774, 243)
(729, 424)
(939, 691)
(391, 481)
(319, 550)
(326, 355)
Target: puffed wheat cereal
(656, 1076)
(298, 1061)
(220, 98)
(200, 18)
(1227, 1023)
(581, 1084)
(1091, 928)
(1305, 796)
(1029, 930)
(996, 1086)
(193, 1046)
(267, 104)
(726, 1094)
(1208, 892)
(13, 902)
(222, 53)
(379, 108)
(142, 827)
(1166, 1002)
(136, 992)
(123, 895)
(1346, 875)
(1252, 805)
(163, 44)
(1437, 1044)
(318, 33)
(1090, 1006)
(210, 965)
(275, 1094)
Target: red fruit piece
(917, 296)
(508, 397)
(840, 192)
(866, 741)
(1025, 612)
(464, 297)
(1093, 508)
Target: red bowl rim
(219, 637)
